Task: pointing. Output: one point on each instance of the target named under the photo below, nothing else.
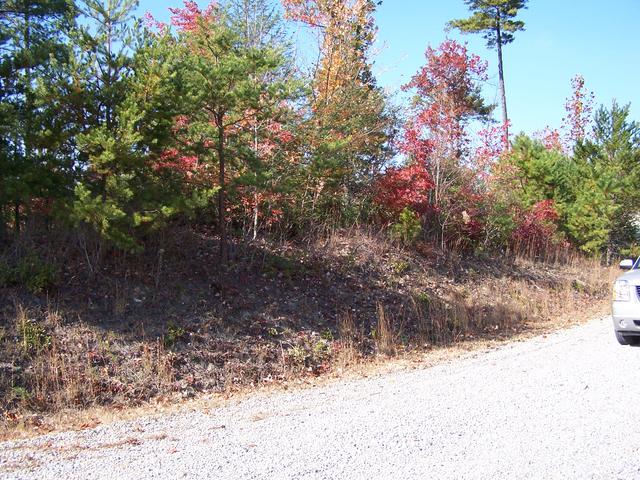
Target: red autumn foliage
(305, 11)
(551, 139)
(172, 159)
(493, 143)
(579, 108)
(445, 87)
(267, 206)
(404, 187)
(187, 19)
(152, 24)
(436, 137)
(538, 227)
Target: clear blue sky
(599, 40)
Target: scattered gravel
(561, 406)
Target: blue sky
(599, 40)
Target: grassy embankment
(171, 325)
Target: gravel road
(560, 406)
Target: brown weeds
(334, 305)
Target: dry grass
(356, 367)
(368, 300)
(386, 333)
(347, 353)
(57, 366)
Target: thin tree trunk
(503, 94)
(255, 196)
(222, 221)
(16, 218)
(3, 224)
(255, 217)
(28, 119)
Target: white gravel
(556, 407)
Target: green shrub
(423, 298)
(309, 352)
(33, 336)
(298, 355)
(400, 267)
(632, 251)
(174, 333)
(408, 227)
(327, 335)
(30, 272)
(20, 394)
(321, 350)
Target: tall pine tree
(496, 20)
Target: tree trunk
(16, 219)
(255, 217)
(3, 225)
(28, 118)
(503, 95)
(255, 195)
(222, 220)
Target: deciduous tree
(447, 99)
(348, 122)
(579, 108)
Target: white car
(626, 304)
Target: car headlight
(621, 291)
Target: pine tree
(267, 171)
(129, 100)
(495, 19)
(104, 48)
(32, 41)
(226, 88)
(610, 168)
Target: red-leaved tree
(579, 108)
(551, 139)
(404, 187)
(447, 100)
(492, 144)
(537, 229)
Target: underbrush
(136, 332)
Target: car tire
(633, 341)
(622, 340)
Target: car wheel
(622, 340)
(633, 341)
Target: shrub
(174, 333)
(30, 272)
(404, 188)
(538, 228)
(33, 336)
(408, 227)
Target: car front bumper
(626, 317)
